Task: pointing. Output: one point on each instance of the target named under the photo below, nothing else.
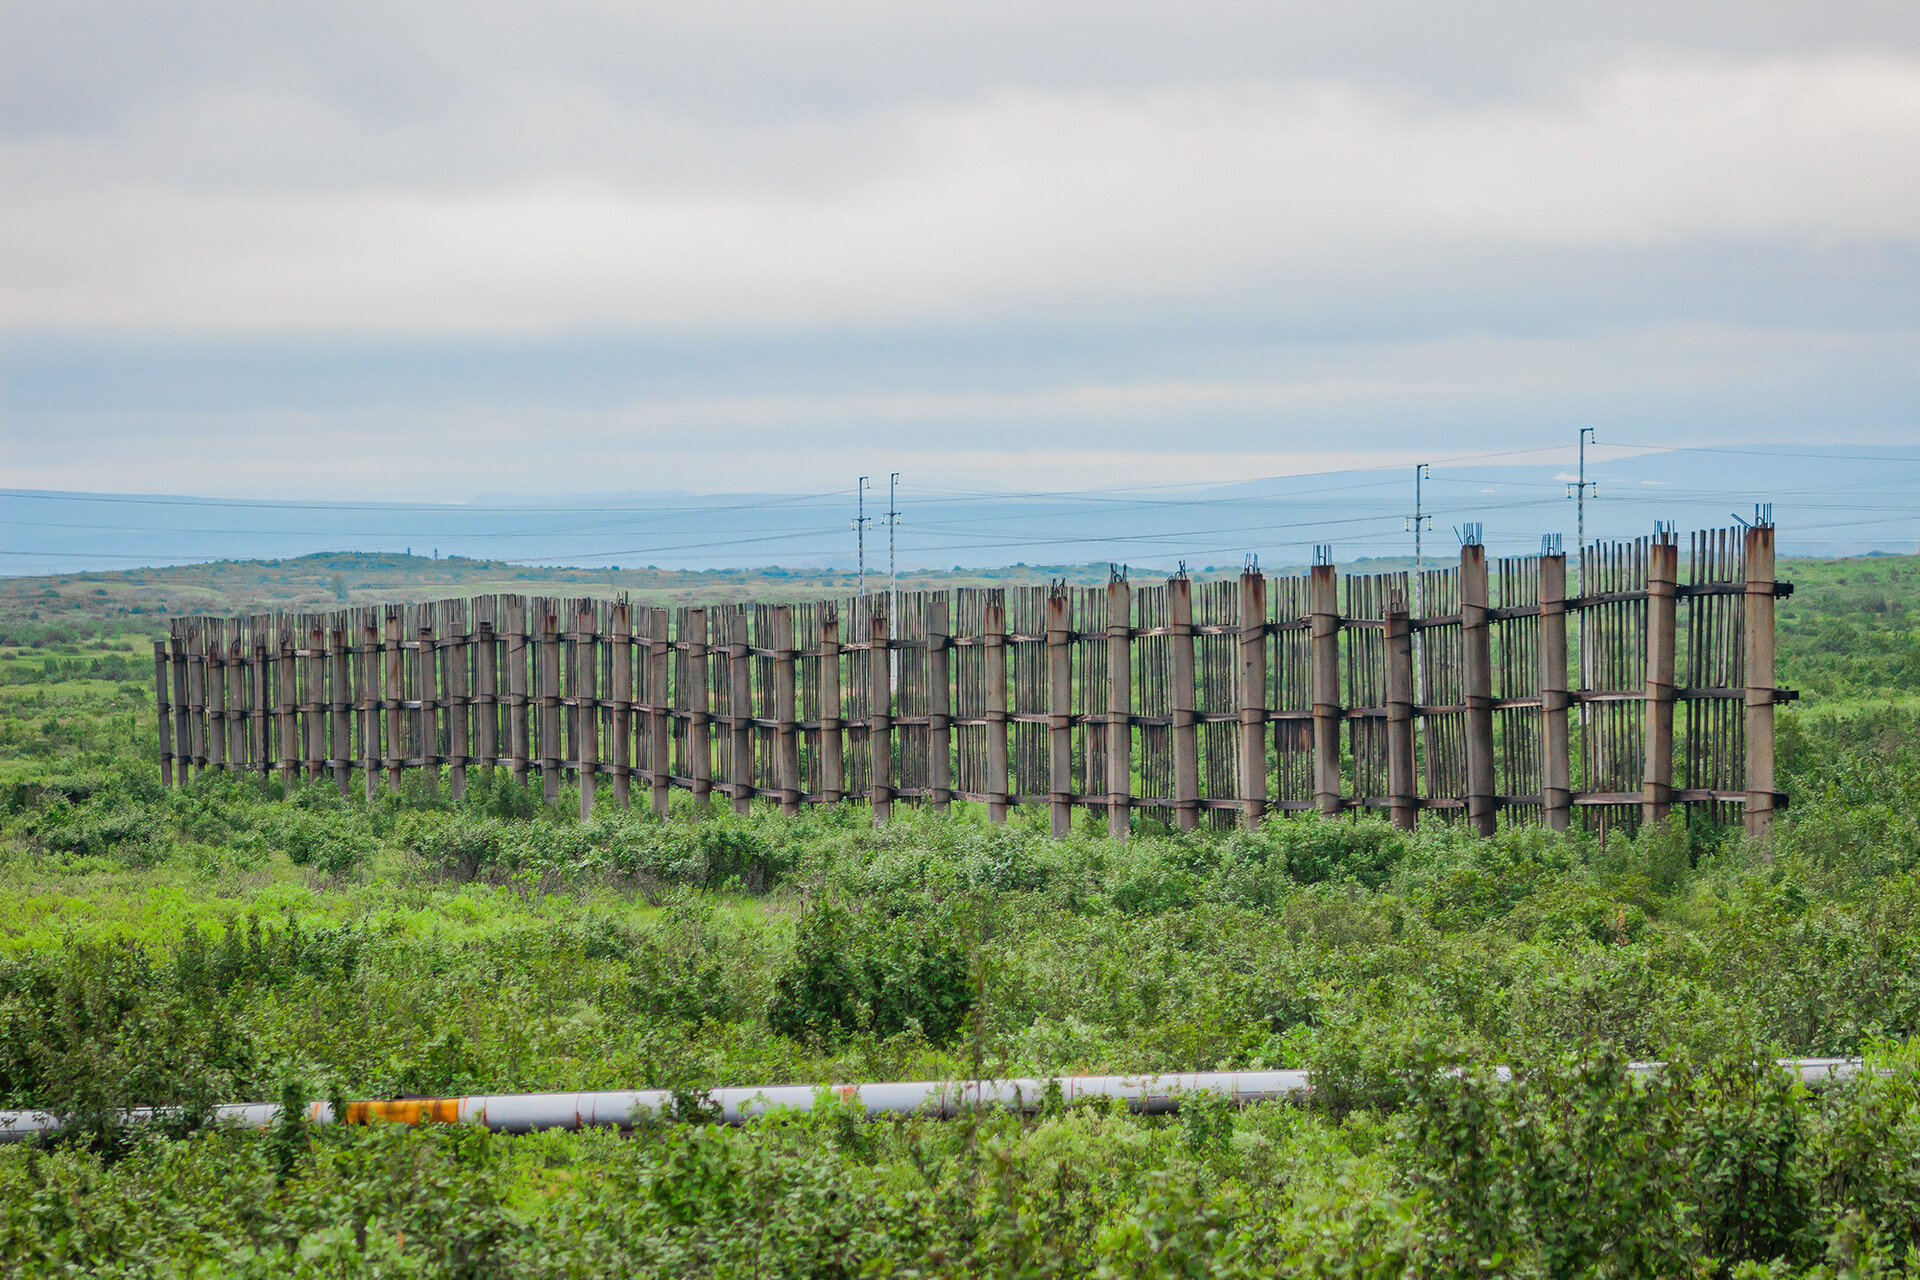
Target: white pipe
(527, 1112)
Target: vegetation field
(65, 607)
(228, 941)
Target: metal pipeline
(527, 1112)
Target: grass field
(229, 940)
(67, 607)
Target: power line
(1296, 475)
(685, 546)
(432, 508)
(1912, 459)
(1419, 522)
(860, 533)
(979, 519)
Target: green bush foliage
(240, 938)
(867, 971)
(1571, 1169)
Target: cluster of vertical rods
(1217, 703)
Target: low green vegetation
(229, 940)
(1851, 630)
(39, 613)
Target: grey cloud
(377, 423)
(488, 88)
(1190, 231)
(1019, 203)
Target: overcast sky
(413, 250)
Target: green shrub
(1663, 853)
(261, 955)
(105, 828)
(732, 849)
(496, 793)
(670, 983)
(1867, 1132)
(444, 1066)
(1576, 1168)
(1150, 887)
(864, 971)
(1741, 1130)
(1583, 911)
(1465, 883)
(327, 843)
(94, 1030)
(1366, 850)
(456, 846)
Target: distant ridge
(1833, 500)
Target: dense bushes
(678, 971)
(113, 666)
(1282, 947)
(94, 1032)
(1573, 1169)
(1576, 1169)
(460, 849)
(326, 841)
(721, 851)
(99, 1027)
(1722, 1167)
(871, 971)
(232, 939)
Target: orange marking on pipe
(406, 1111)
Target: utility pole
(1418, 522)
(1578, 492)
(893, 566)
(893, 581)
(860, 523)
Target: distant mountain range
(1836, 500)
